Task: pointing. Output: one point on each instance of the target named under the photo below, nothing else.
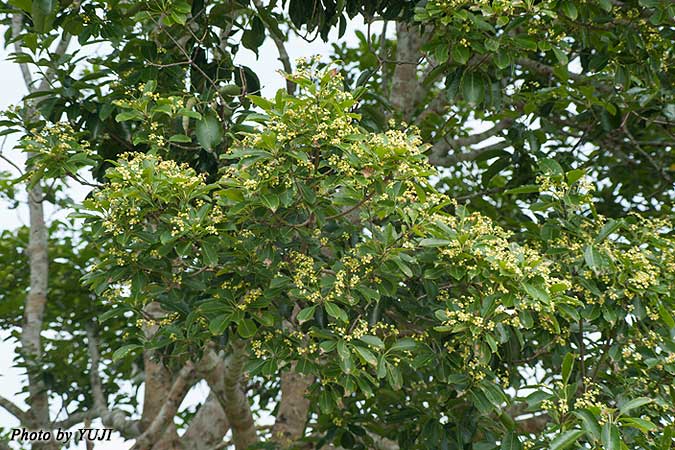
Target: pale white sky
(12, 379)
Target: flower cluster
(57, 151)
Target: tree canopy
(458, 235)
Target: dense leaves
(327, 248)
(518, 295)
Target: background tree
(306, 268)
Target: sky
(13, 89)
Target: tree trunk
(293, 408)
(404, 82)
(33, 313)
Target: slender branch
(14, 410)
(74, 419)
(283, 54)
(11, 163)
(115, 418)
(352, 208)
(439, 151)
(451, 160)
(191, 61)
(664, 173)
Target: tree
(308, 267)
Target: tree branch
(175, 397)
(208, 427)
(283, 54)
(451, 160)
(17, 24)
(14, 410)
(404, 81)
(291, 417)
(224, 379)
(116, 418)
(100, 402)
(439, 151)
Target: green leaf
(124, 351)
(643, 425)
(247, 328)
(605, 5)
(25, 5)
(209, 131)
(525, 43)
(342, 349)
(180, 138)
(511, 442)
(526, 189)
(209, 254)
(567, 365)
(589, 422)
(431, 242)
(633, 404)
(41, 13)
(536, 292)
(271, 201)
(460, 54)
(366, 354)
(254, 36)
(394, 377)
(266, 319)
(666, 316)
(473, 87)
(593, 257)
(560, 56)
(502, 59)
(306, 314)
(111, 313)
(372, 340)
(260, 102)
(218, 324)
(403, 267)
(575, 175)
(610, 227)
(335, 311)
(565, 439)
(611, 439)
(129, 115)
(551, 167)
(570, 9)
(667, 439)
(403, 344)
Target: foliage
(435, 285)
(327, 248)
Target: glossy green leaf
(247, 328)
(123, 351)
(473, 87)
(511, 442)
(335, 311)
(566, 439)
(611, 438)
(633, 404)
(209, 131)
